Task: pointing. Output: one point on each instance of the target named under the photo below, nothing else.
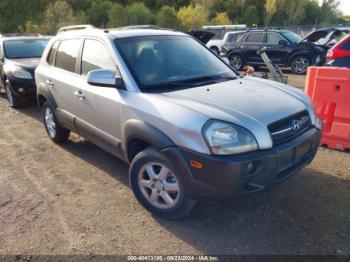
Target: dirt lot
(75, 199)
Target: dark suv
(284, 48)
(19, 56)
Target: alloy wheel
(300, 65)
(236, 62)
(50, 122)
(159, 185)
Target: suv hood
(247, 101)
(29, 63)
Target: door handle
(80, 95)
(50, 83)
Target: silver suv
(189, 126)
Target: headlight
(21, 73)
(228, 139)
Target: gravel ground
(75, 199)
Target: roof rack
(137, 27)
(18, 34)
(75, 27)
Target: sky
(344, 6)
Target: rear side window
(255, 38)
(95, 56)
(67, 54)
(51, 56)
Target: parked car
(219, 32)
(326, 37)
(339, 55)
(19, 56)
(229, 40)
(284, 48)
(183, 119)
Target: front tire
(157, 186)
(236, 61)
(55, 131)
(11, 97)
(300, 64)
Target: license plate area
(292, 157)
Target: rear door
(61, 77)
(254, 42)
(98, 114)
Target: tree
(167, 18)
(117, 16)
(313, 13)
(15, 13)
(330, 11)
(58, 14)
(250, 16)
(233, 11)
(192, 17)
(139, 14)
(98, 12)
(221, 19)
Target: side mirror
(225, 59)
(105, 78)
(283, 43)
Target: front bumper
(23, 89)
(229, 176)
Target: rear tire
(55, 131)
(11, 97)
(157, 186)
(236, 61)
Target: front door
(275, 50)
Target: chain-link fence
(301, 30)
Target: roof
(119, 32)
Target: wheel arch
(236, 51)
(139, 135)
(44, 94)
(300, 53)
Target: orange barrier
(329, 90)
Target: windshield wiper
(193, 82)
(208, 80)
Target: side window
(95, 56)
(273, 38)
(255, 38)
(52, 53)
(67, 54)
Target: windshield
(293, 37)
(29, 48)
(172, 62)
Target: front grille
(289, 128)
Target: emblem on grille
(296, 125)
